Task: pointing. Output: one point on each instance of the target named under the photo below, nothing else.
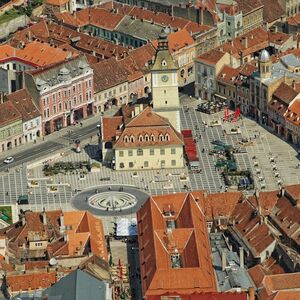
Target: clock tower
(165, 83)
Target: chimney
(244, 42)
(23, 219)
(251, 293)
(132, 114)
(136, 110)
(241, 257)
(294, 84)
(223, 260)
(282, 192)
(62, 223)
(141, 107)
(66, 238)
(44, 217)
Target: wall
(13, 25)
(11, 133)
(118, 93)
(155, 161)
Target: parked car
(9, 160)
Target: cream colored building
(146, 141)
(165, 84)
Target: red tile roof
(57, 2)
(293, 112)
(205, 296)
(24, 103)
(285, 93)
(250, 229)
(108, 73)
(99, 17)
(294, 191)
(272, 10)
(8, 113)
(178, 40)
(157, 245)
(246, 6)
(31, 281)
(221, 204)
(34, 54)
(211, 57)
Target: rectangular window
(54, 109)
(173, 151)
(121, 153)
(131, 165)
(121, 165)
(162, 151)
(139, 152)
(130, 153)
(74, 90)
(173, 162)
(146, 164)
(120, 89)
(151, 151)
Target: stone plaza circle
(112, 200)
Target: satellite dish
(53, 261)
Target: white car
(9, 160)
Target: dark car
(218, 143)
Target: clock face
(164, 78)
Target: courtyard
(271, 160)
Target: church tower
(165, 83)
(265, 64)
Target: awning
(219, 96)
(126, 227)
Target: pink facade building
(64, 93)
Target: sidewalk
(55, 136)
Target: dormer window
(167, 137)
(161, 137)
(164, 63)
(126, 139)
(132, 139)
(152, 138)
(141, 138)
(146, 138)
(176, 261)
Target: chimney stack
(241, 257)
(294, 84)
(62, 223)
(223, 260)
(244, 42)
(66, 238)
(44, 217)
(251, 293)
(23, 219)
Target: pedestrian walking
(81, 124)
(91, 137)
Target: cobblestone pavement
(266, 147)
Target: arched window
(126, 139)
(146, 138)
(167, 137)
(132, 139)
(140, 138)
(152, 138)
(164, 63)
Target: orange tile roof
(257, 39)
(83, 227)
(228, 75)
(31, 281)
(250, 229)
(287, 281)
(99, 17)
(294, 191)
(177, 40)
(293, 112)
(57, 2)
(246, 6)
(8, 113)
(157, 245)
(294, 20)
(150, 123)
(108, 73)
(272, 10)
(110, 126)
(287, 217)
(221, 204)
(34, 54)
(211, 57)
